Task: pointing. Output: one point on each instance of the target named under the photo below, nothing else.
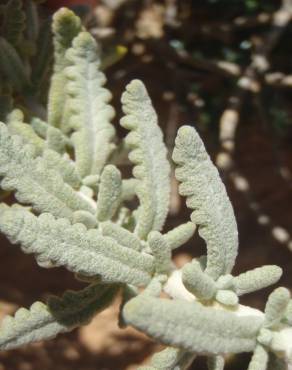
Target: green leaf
(121, 235)
(56, 140)
(128, 189)
(276, 307)
(29, 326)
(61, 315)
(33, 181)
(66, 25)
(256, 279)
(17, 126)
(149, 155)
(109, 193)
(161, 252)
(191, 326)
(86, 218)
(259, 360)
(171, 358)
(88, 112)
(197, 282)
(206, 195)
(180, 235)
(82, 251)
(77, 308)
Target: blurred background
(223, 66)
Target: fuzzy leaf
(206, 195)
(56, 140)
(256, 279)
(121, 235)
(40, 127)
(85, 218)
(77, 308)
(149, 156)
(191, 326)
(88, 111)
(64, 166)
(161, 252)
(180, 235)
(82, 251)
(29, 326)
(17, 126)
(128, 189)
(259, 360)
(227, 297)
(172, 358)
(288, 313)
(61, 315)
(109, 193)
(276, 306)
(34, 183)
(66, 25)
(197, 282)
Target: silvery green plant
(75, 213)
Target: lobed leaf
(60, 315)
(180, 235)
(29, 326)
(64, 166)
(256, 279)
(276, 306)
(121, 235)
(128, 189)
(88, 112)
(206, 195)
(171, 358)
(109, 193)
(66, 25)
(33, 181)
(160, 251)
(191, 326)
(197, 282)
(259, 360)
(149, 156)
(77, 308)
(82, 251)
(17, 126)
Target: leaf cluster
(74, 212)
